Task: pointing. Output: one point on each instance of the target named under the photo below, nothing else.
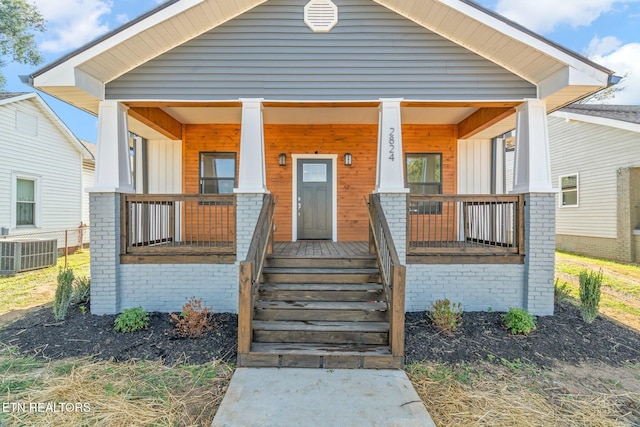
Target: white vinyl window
(569, 190)
(25, 200)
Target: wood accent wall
(435, 139)
(198, 138)
(354, 182)
(202, 221)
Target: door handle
(299, 206)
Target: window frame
(563, 191)
(201, 179)
(434, 208)
(37, 202)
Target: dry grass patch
(487, 394)
(118, 394)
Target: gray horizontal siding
(269, 52)
(595, 152)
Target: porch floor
(321, 249)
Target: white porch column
(252, 177)
(390, 168)
(532, 169)
(113, 165)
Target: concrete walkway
(265, 397)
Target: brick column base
(104, 211)
(539, 242)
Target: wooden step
(320, 292)
(321, 326)
(326, 337)
(322, 349)
(320, 275)
(321, 332)
(321, 311)
(293, 262)
(327, 356)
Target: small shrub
(64, 291)
(132, 320)
(446, 316)
(519, 321)
(81, 290)
(561, 291)
(590, 283)
(194, 320)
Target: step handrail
(392, 272)
(250, 271)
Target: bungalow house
(595, 162)
(321, 166)
(43, 172)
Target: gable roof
(626, 117)
(624, 113)
(91, 148)
(9, 95)
(7, 98)
(562, 76)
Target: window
(424, 176)
(25, 202)
(217, 173)
(314, 172)
(569, 190)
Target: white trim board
(294, 192)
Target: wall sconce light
(347, 159)
(282, 159)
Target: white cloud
(544, 16)
(121, 18)
(625, 61)
(72, 23)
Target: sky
(606, 31)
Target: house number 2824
(392, 144)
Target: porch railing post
(520, 226)
(396, 333)
(124, 224)
(245, 307)
(372, 241)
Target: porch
(202, 229)
(441, 229)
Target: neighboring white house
(88, 178)
(595, 164)
(44, 168)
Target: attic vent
(321, 15)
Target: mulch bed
(563, 337)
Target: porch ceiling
(164, 120)
(318, 115)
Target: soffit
(318, 115)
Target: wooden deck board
(321, 249)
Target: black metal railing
(178, 224)
(470, 224)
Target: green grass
(33, 288)
(626, 285)
(620, 286)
